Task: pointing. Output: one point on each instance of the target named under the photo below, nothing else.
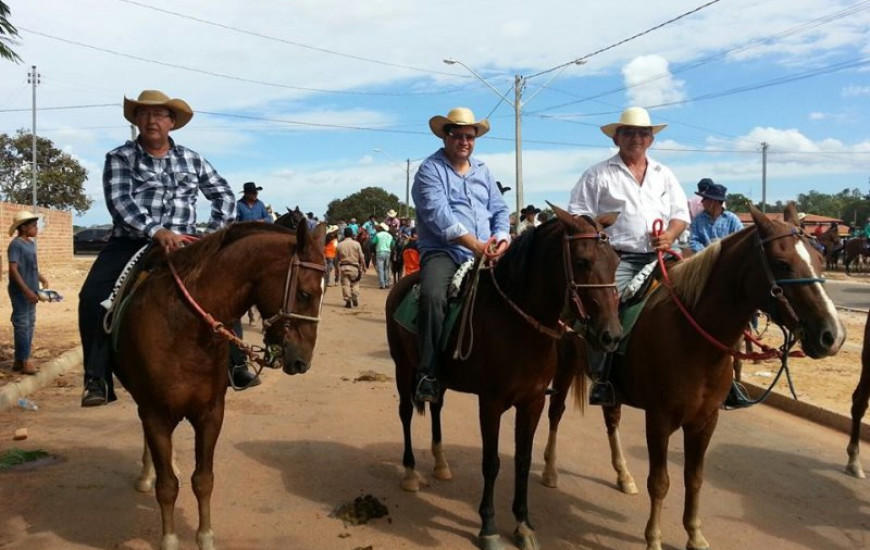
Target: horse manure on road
(360, 511)
(371, 376)
(20, 459)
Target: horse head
(793, 267)
(291, 333)
(590, 265)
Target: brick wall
(54, 243)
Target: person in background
(411, 255)
(354, 227)
(24, 280)
(250, 208)
(642, 191)
(392, 221)
(459, 208)
(383, 241)
(351, 265)
(329, 254)
(151, 186)
(694, 202)
(528, 218)
(714, 222)
(342, 225)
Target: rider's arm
(218, 191)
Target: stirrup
(737, 398)
(602, 393)
(427, 389)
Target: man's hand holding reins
(169, 240)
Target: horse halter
(781, 310)
(290, 284)
(573, 287)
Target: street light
(517, 103)
(407, 179)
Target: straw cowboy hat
(391, 213)
(155, 98)
(384, 226)
(331, 229)
(21, 218)
(460, 116)
(633, 116)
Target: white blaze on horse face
(804, 254)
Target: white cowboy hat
(460, 116)
(155, 98)
(391, 213)
(633, 116)
(331, 229)
(384, 226)
(21, 218)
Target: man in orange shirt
(411, 255)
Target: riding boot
(737, 397)
(240, 378)
(602, 392)
(427, 390)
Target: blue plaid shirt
(704, 230)
(145, 194)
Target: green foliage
(7, 34)
(15, 457)
(364, 203)
(737, 202)
(60, 179)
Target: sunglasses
(631, 132)
(461, 137)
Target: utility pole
(764, 147)
(408, 188)
(33, 78)
(519, 84)
(132, 132)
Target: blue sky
(297, 95)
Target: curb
(804, 410)
(10, 393)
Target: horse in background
(680, 376)
(860, 398)
(832, 246)
(511, 358)
(853, 251)
(291, 218)
(172, 348)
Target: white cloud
(817, 116)
(853, 90)
(650, 82)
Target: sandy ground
(827, 383)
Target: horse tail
(579, 389)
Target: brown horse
(679, 377)
(175, 365)
(513, 357)
(860, 398)
(854, 249)
(832, 244)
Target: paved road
(294, 448)
(847, 294)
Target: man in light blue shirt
(250, 208)
(714, 222)
(459, 208)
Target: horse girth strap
(289, 300)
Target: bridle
(286, 312)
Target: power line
(63, 107)
(285, 41)
(221, 75)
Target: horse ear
(761, 220)
(311, 238)
(561, 214)
(607, 219)
(790, 215)
(301, 236)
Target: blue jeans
(23, 323)
(382, 265)
(330, 269)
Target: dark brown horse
(832, 244)
(860, 398)
(513, 356)
(854, 250)
(175, 365)
(679, 377)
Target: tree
(7, 34)
(60, 178)
(737, 202)
(362, 204)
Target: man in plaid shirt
(151, 186)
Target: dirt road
(296, 447)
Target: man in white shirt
(642, 191)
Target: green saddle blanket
(628, 317)
(408, 313)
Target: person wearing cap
(714, 222)
(151, 186)
(351, 266)
(459, 208)
(528, 218)
(24, 279)
(383, 242)
(642, 191)
(250, 208)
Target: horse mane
(191, 260)
(515, 260)
(689, 277)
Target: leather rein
(572, 291)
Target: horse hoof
(490, 542)
(412, 481)
(855, 470)
(550, 480)
(169, 542)
(525, 539)
(628, 487)
(443, 473)
(145, 484)
(205, 540)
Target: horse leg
(490, 423)
(412, 479)
(561, 385)
(657, 434)
(860, 397)
(696, 441)
(524, 435)
(158, 434)
(145, 481)
(442, 468)
(207, 428)
(624, 480)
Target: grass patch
(16, 457)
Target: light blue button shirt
(450, 206)
(704, 230)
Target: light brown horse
(680, 378)
(860, 398)
(175, 365)
(513, 356)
